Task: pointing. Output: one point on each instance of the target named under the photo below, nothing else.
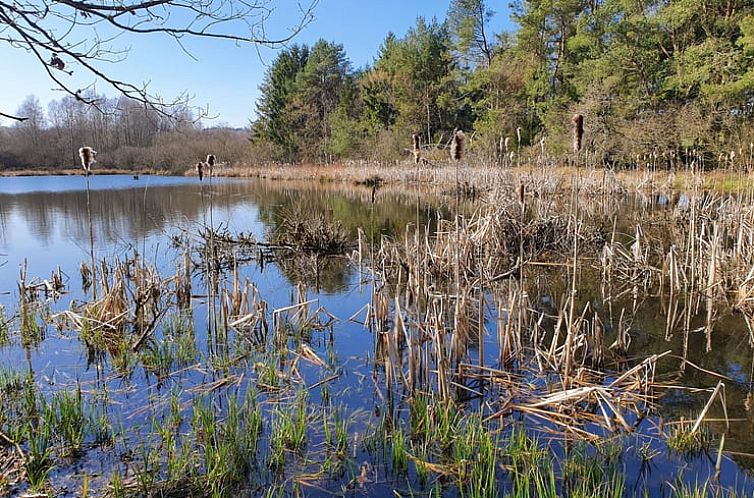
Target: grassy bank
(444, 176)
(447, 175)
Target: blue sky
(226, 77)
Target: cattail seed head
(416, 148)
(87, 155)
(457, 145)
(578, 131)
(200, 170)
(521, 191)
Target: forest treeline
(652, 78)
(126, 135)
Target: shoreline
(446, 175)
(79, 172)
(482, 177)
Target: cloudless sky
(226, 77)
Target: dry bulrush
(87, 155)
(457, 145)
(578, 131)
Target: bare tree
(67, 35)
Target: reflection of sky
(28, 184)
(47, 235)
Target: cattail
(87, 155)
(578, 131)
(416, 150)
(457, 145)
(200, 170)
(507, 144)
(518, 136)
(57, 63)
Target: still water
(59, 222)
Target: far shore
(80, 172)
(447, 175)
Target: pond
(166, 337)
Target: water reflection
(46, 220)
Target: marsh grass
(39, 459)
(313, 233)
(681, 438)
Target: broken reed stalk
(521, 191)
(91, 238)
(718, 391)
(571, 324)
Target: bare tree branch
(66, 34)
(15, 118)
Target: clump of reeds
(490, 243)
(683, 438)
(316, 233)
(578, 131)
(87, 156)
